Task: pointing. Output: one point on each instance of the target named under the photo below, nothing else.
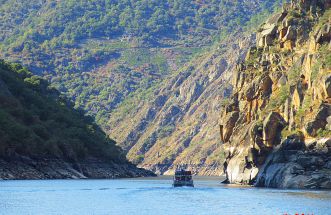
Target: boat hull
(183, 184)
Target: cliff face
(180, 125)
(276, 126)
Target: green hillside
(145, 70)
(120, 46)
(50, 24)
(36, 122)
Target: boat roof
(183, 172)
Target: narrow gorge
(161, 85)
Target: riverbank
(92, 168)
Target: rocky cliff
(276, 125)
(180, 125)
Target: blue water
(154, 196)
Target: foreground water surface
(154, 196)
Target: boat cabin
(183, 178)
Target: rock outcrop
(272, 125)
(296, 164)
(280, 134)
(22, 167)
(319, 121)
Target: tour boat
(183, 178)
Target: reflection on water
(154, 196)
(314, 195)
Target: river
(154, 196)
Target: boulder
(328, 142)
(293, 142)
(291, 34)
(295, 167)
(288, 45)
(316, 181)
(228, 124)
(256, 136)
(321, 147)
(268, 40)
(260, 86)
(328, 126)
(319, 121)
(266, 35)
(310, 162)
(272, 126)
(277, 18)
(268, 29)
(298, 95)
(324, 34)
(251, 51)
(233, 106)
(238, 79)
(238, 171)
(282, 80)
(327, 85)
(265, 85)
(252, 91)
(310, 145)
(328, 165)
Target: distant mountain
(41, 136)
(149, 72)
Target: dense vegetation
(63, 23)
(104, 54)
(36, 122)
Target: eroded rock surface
(281, 134)
(22, 167)
(296, 165)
